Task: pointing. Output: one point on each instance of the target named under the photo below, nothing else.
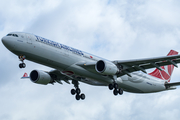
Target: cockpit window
(15, 35)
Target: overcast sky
(115, 30)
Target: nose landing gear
(22, 65)
(22, 58)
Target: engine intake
(106, 67)
(40, 77)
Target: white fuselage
(64, 58)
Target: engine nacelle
(106, 67)
(40, 77)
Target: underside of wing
(90, 66)
(57, 76)
(66, 76)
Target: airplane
(74, 66)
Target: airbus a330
(73, 66)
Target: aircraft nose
(7, 42)
(3, 40)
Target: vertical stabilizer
(166, 72)
(25, 76)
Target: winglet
(25, 76)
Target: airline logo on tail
(166, 72)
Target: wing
(128, 66)
(67, 76)
(55, 75)
(90, 66)
(59, 76)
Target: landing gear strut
(22, 58)
(116, 91)
(114, 86)
(77, 91)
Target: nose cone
(7, 43)
(3, 40)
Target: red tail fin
(166, 73)
(25, 76)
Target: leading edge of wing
(90, 66)
(147, 60)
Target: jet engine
(106, 67)
(40, 77)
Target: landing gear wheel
(78, 91)
(20, 65)
(22, 58)
(82, 96)
(110, 86)
(115, 92)
(23, 65)
(120, 91)
(73, 91)
(115, 85)
(78, 97)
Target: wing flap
(58, 76)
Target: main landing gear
(22, 58)
(116, 91)
(77, 91)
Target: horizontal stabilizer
(172, 84)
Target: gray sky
(115, 30)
